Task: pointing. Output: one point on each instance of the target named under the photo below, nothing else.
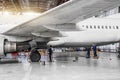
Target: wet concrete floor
(107, 67)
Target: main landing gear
(88, 53)
(35, 55)
(94, 52)
(118, 53)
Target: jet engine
(6, 46)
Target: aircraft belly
(90, 39)
(77, 44)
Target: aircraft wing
(62, 17)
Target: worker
(118, 52)
(88, 53)
(50, 53)
(95, 51)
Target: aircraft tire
(119, 56)
(35, 56)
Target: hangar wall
(29, 5)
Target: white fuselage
(94, 31)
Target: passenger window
(95, 27)
(86, 26)
(109, 27)
(102, 27)
(98, 27)
(116, 27)
(91, 27)
(106, 27)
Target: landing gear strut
(118, 53)
(88, 53)
(95, 51)
(35, 55)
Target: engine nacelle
(10, 47)
(2, 40)
(6, 46)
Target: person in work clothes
(50, 53)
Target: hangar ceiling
(28, 5)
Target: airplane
(21, 31)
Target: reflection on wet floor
(107, 67)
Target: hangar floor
(107, 67)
